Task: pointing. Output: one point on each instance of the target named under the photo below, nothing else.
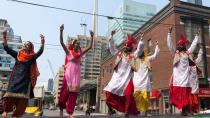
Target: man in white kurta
(180, 88)
(119, 91)
(142, 78)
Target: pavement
(79, 114)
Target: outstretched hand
(62, 27)
(42, 39)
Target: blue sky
(29, 21)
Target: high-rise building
(133, 15)
(198, 2)
(6, 61)
(58, 83)
(50, 85)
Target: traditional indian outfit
(142, 78)
(119, 91)
(195, 71)
(180, 88)
(21, 82)
(71, 80)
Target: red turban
(183, 41)
(130, 41)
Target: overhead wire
(88, 13)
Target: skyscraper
(50, 85)
(198, 2)
(133, 14)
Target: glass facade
(198, 2)
(133, 14)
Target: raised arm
(194, 43)
(157, 50)
(6, 48)
(140, 47)
(90, 44)
(170, 42)
(112, 47)
(41, 48)
(61, 40)
(200, 55)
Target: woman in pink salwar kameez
(71, 80)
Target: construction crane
(51, 68)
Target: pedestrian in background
(23, 77)
(71, 80)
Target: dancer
(142, 78)
(195, 71)
(180, 88)
(22, 79)
(71, 80)
(119, 91)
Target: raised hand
(42, 39)
(198, 32)
(156, 42)
(141, 34)
(91, 33)
(62, 27)
(170, 29)
(113, 32)
(4, 38)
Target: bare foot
(4, 114)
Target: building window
(190, 28)
(149, 46)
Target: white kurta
(142, 78)
(181, 71)
(194, 75)
(120, 78)
(122, 74)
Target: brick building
(185, 18)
